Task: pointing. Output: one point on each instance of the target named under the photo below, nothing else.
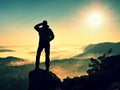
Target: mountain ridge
(94, 50)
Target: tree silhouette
(96, 64)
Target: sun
(95, 19)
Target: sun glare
(95, 19)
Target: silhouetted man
(45, 36)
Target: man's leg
(39, 50)
(47, 54)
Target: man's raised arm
(36, 27)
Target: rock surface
(43, 80)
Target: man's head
(44, 23)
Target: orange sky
(69, 23)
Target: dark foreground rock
(43, 80)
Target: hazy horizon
(29, 52)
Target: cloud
(65, 72)
(2, 47)
(19, 63)
(32, 52)
(60, 51)
(69, 67)
(6, 50)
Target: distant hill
(94, 50)
(63, 68)
(6, 61)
